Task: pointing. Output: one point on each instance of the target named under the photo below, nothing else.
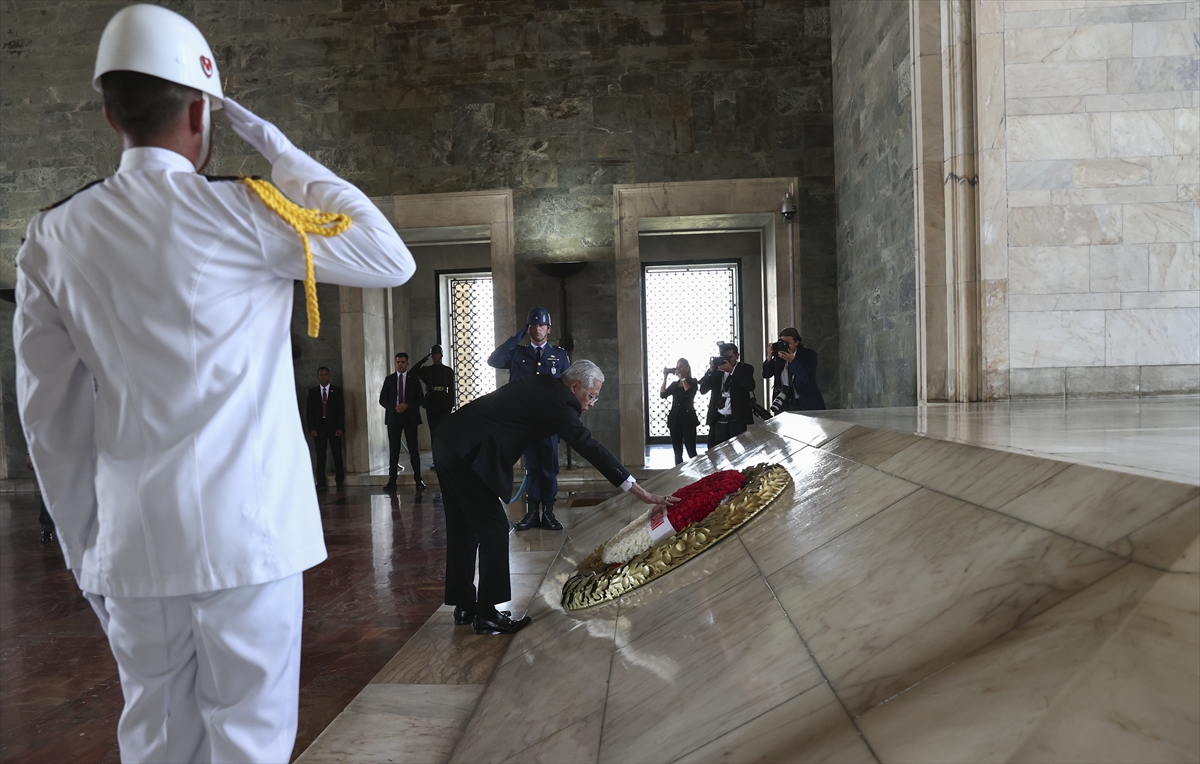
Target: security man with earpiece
(540, 459)
(157, 393)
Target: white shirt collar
(535, 345)
(143, 158)
(324, 388)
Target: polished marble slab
(396, 723)
(1154, 436)
(909, 598)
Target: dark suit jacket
(491, 432)
(413, 396)
(806, 396)
(335, 409)
(741, 387)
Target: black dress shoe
(389, 488)
(47, 537)
(464, 617)
(500, 624)
(421, 485)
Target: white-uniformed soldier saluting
(541, 459)
(156, 388)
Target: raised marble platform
(910, 599)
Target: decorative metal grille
(467, 302)
(689, 309)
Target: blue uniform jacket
(521, 360)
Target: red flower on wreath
(698, 500)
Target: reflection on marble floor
(908, 599)
(1158, 437)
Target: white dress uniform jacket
(154, 371)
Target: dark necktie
(324, 402)
(539, 356)
(399, 389)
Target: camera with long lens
(715, 361)
(779, 347)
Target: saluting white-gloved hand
(259, 133)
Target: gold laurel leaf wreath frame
(593, 583)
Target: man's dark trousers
(475, 525)
(723, 430)
(402, 427)
(326, 439)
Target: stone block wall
(1095, 177)
(872, 119)
(555, 99)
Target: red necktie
(324, 402)
(399, 389)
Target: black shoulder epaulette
(66, 199)
(214, 178)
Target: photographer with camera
(731, 407)
(794, 368)
(681, 420)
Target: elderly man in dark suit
(474, 450)
(401, 398)
(326, 415)
(731, 407)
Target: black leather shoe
(500, 624)
(47, 537)
(421, 485)
(531, 519)
(549, 521)
(464, 617)
(389, 488)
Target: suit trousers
(476, 526)
(722, 431)
(541, 462)
(408, 431)
(327, 440)
(209, 677)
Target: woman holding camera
(681, 420)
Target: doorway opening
(465, 311)
(689, 308)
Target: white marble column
(366, 360)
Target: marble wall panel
(1044, 45)
(1125, 12)
(1115, 195)
(1085, 381)
(1058, 105)
(1187, 131)
(1038, 270)
(1140, 101)
(1157, 380)
(1036, 18)
(1159, 222)
(1022, 303)
(1110, 172)
(1142, 133)
(1057, 338)
(1037, 383)
(1173, 267)
(1166, 38)
(1055, 79)
(1176, 299)
(1046, 174)
(1148, 75)
(1152, 337)
(1119, 268)
(1065, 226)
(1174, 169)
(1053, 136)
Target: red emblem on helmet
(206, 65)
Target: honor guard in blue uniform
(541, 459)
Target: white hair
(584, 372)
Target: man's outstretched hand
(651, 498)
(259, 133)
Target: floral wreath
(663, 538)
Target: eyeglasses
(592, 397)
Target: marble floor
(909, 598)
(1158, 436)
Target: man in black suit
(474, 450)
(731, 407)
(326, 415)
(401, 398)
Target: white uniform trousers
(211, 677)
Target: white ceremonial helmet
(159, 42)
